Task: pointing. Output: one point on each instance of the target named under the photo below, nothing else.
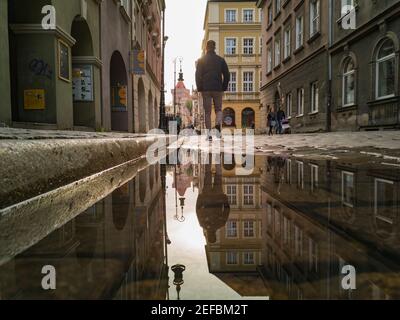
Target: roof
(180, 85)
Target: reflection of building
(236, 28)
(236, 251)
(312, 208)
(114, 250)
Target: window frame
(233, 47)
(253, 20)
(380, 61)
(225, 15)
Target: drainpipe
(330, 42)
(163, 125)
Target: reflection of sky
(188, 248)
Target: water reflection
(203, 231)
(114, 250)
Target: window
(248, 194)
(270, 225)
(313, 255)
(348, 83)
(230, 15)
(249, 258)
(248, 229)
(230, 46)
(232, 86)
(261, 45)
(385, 70)
(289, 171)
(270, 15)
(231, 258)
(348, 189)
(248, 15)
(287, 49)
(269, 60)
(314, 17)
(299, 32)
(277, 52)
(277, 224)
(298, 241)
(248, 78)
(286, 230)
(248, 45)
(300, 102)
(231, 229)
(278, 6)
(231, 192)
(289, 105)
(300, 175)
(314, 178)
(261, 80)
(385, 201)
(314, 97)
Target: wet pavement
(284, 230)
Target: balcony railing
(384, 113)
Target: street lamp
(178, 270)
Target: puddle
(285, 230)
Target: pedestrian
(178, 123)
(280, 116)
(212, 80)
(271, 121)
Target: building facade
(365, 65)
(42, 64)
(295, 56)
(77, 73)
(235, 26)
(146, 36)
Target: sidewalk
(36, 161)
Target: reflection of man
(212, 205)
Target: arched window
(385, 70)
(348, 83)
(229, 117)
(248, 118)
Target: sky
(184, 27)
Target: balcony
(384, 113)
(229, 96)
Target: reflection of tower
(178, 270)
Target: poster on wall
(82, 83)
(119, 101)
(64, 61)
(138, 62)
(34, 99)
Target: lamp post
(163, 124)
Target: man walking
(212, 79)
(280, 116)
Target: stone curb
(32, 167)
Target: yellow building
(235, 26)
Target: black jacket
(212, 73)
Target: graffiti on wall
(40, 68)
